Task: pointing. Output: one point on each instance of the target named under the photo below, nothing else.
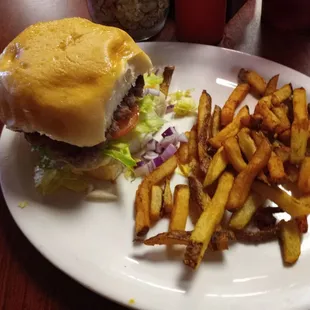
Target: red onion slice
(168, 152)
(157, 161)
(150, 155)
(151, 145)
(169, 108)
(182, 138)
(169, 131)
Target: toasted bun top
(65, 78)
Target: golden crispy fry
(295, 207)
(218, 242)
(182, 153)
(299, 130)
(257, 83)
(276, 169)
(197, 196)
(242, 185)
(230, 130)
(167, 197)
(180, 208)
(167, 75)
(207, 222)
(283, 152)
(217, 166)
(156, 203)
(233, 154)
(304, 176)
(302, 223)
(204, 113)
(248, 148)
(216, 121)
(275, 165)
(270, 120)
(272, 85)
(290, 240)
(234, 100)
(292, 172)
(170, 238)
(285, 137)
(142, 203)
(282, 94)
(281, 114)
(246, 143)
(254, 121)
(192, 144)
(243, 216)
(203, 130)
(257, 236)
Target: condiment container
(142, 19)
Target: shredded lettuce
(183, 102)
(152, 80)
(120, 151)
(149, 120)
(48, 181)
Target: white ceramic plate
(92, 242)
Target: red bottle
(200, 21)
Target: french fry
(292, 172)
(257, 236)
(257, 83)
(242, 185)
(204, 113)
(304, 176)
(254, 121)
(182, 152)
(167, 76)
(218, 240)
(280, 113)
(207, 222)
(216, 121)
(293, 206)
(170, 238)
(197, 196)
(270, 120)
(180, 208)
(283, 152)
(142, 203)
(275, 165)
(203, 127)
(276, 169)
(230, 130)
(302, 223)
(272, 85)
(290, 241)
(285, 137)
(217, 165)
(281, 94)
(143, 199)
(156, 203)
(192, 144)
(246, 143)
(234, 100)
(248, 148)
(243, 216)
(233, 154)
(167, 197)
(299, 129)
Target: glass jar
(141, 19)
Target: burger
(85, 96)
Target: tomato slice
(128, 124)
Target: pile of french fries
(235, 163)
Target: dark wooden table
(29, 281)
